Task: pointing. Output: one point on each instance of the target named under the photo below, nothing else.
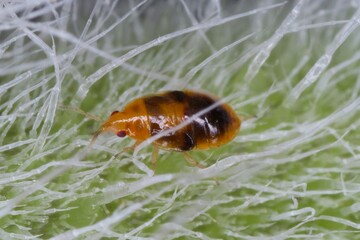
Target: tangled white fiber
(291, 67)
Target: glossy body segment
(150, 115)
(214, 128)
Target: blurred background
(291, 68)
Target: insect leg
(195, 163)
(192, 161)
(127, 149)
(154, 157)
(132, 147)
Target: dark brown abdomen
(213, 128)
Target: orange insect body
(153, 114)
(150, 115)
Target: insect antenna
(93, 139)
(87, 115)
(78, 110)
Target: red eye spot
(121, 134)
(114, 112)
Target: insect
(150, 115)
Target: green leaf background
(291, 68)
